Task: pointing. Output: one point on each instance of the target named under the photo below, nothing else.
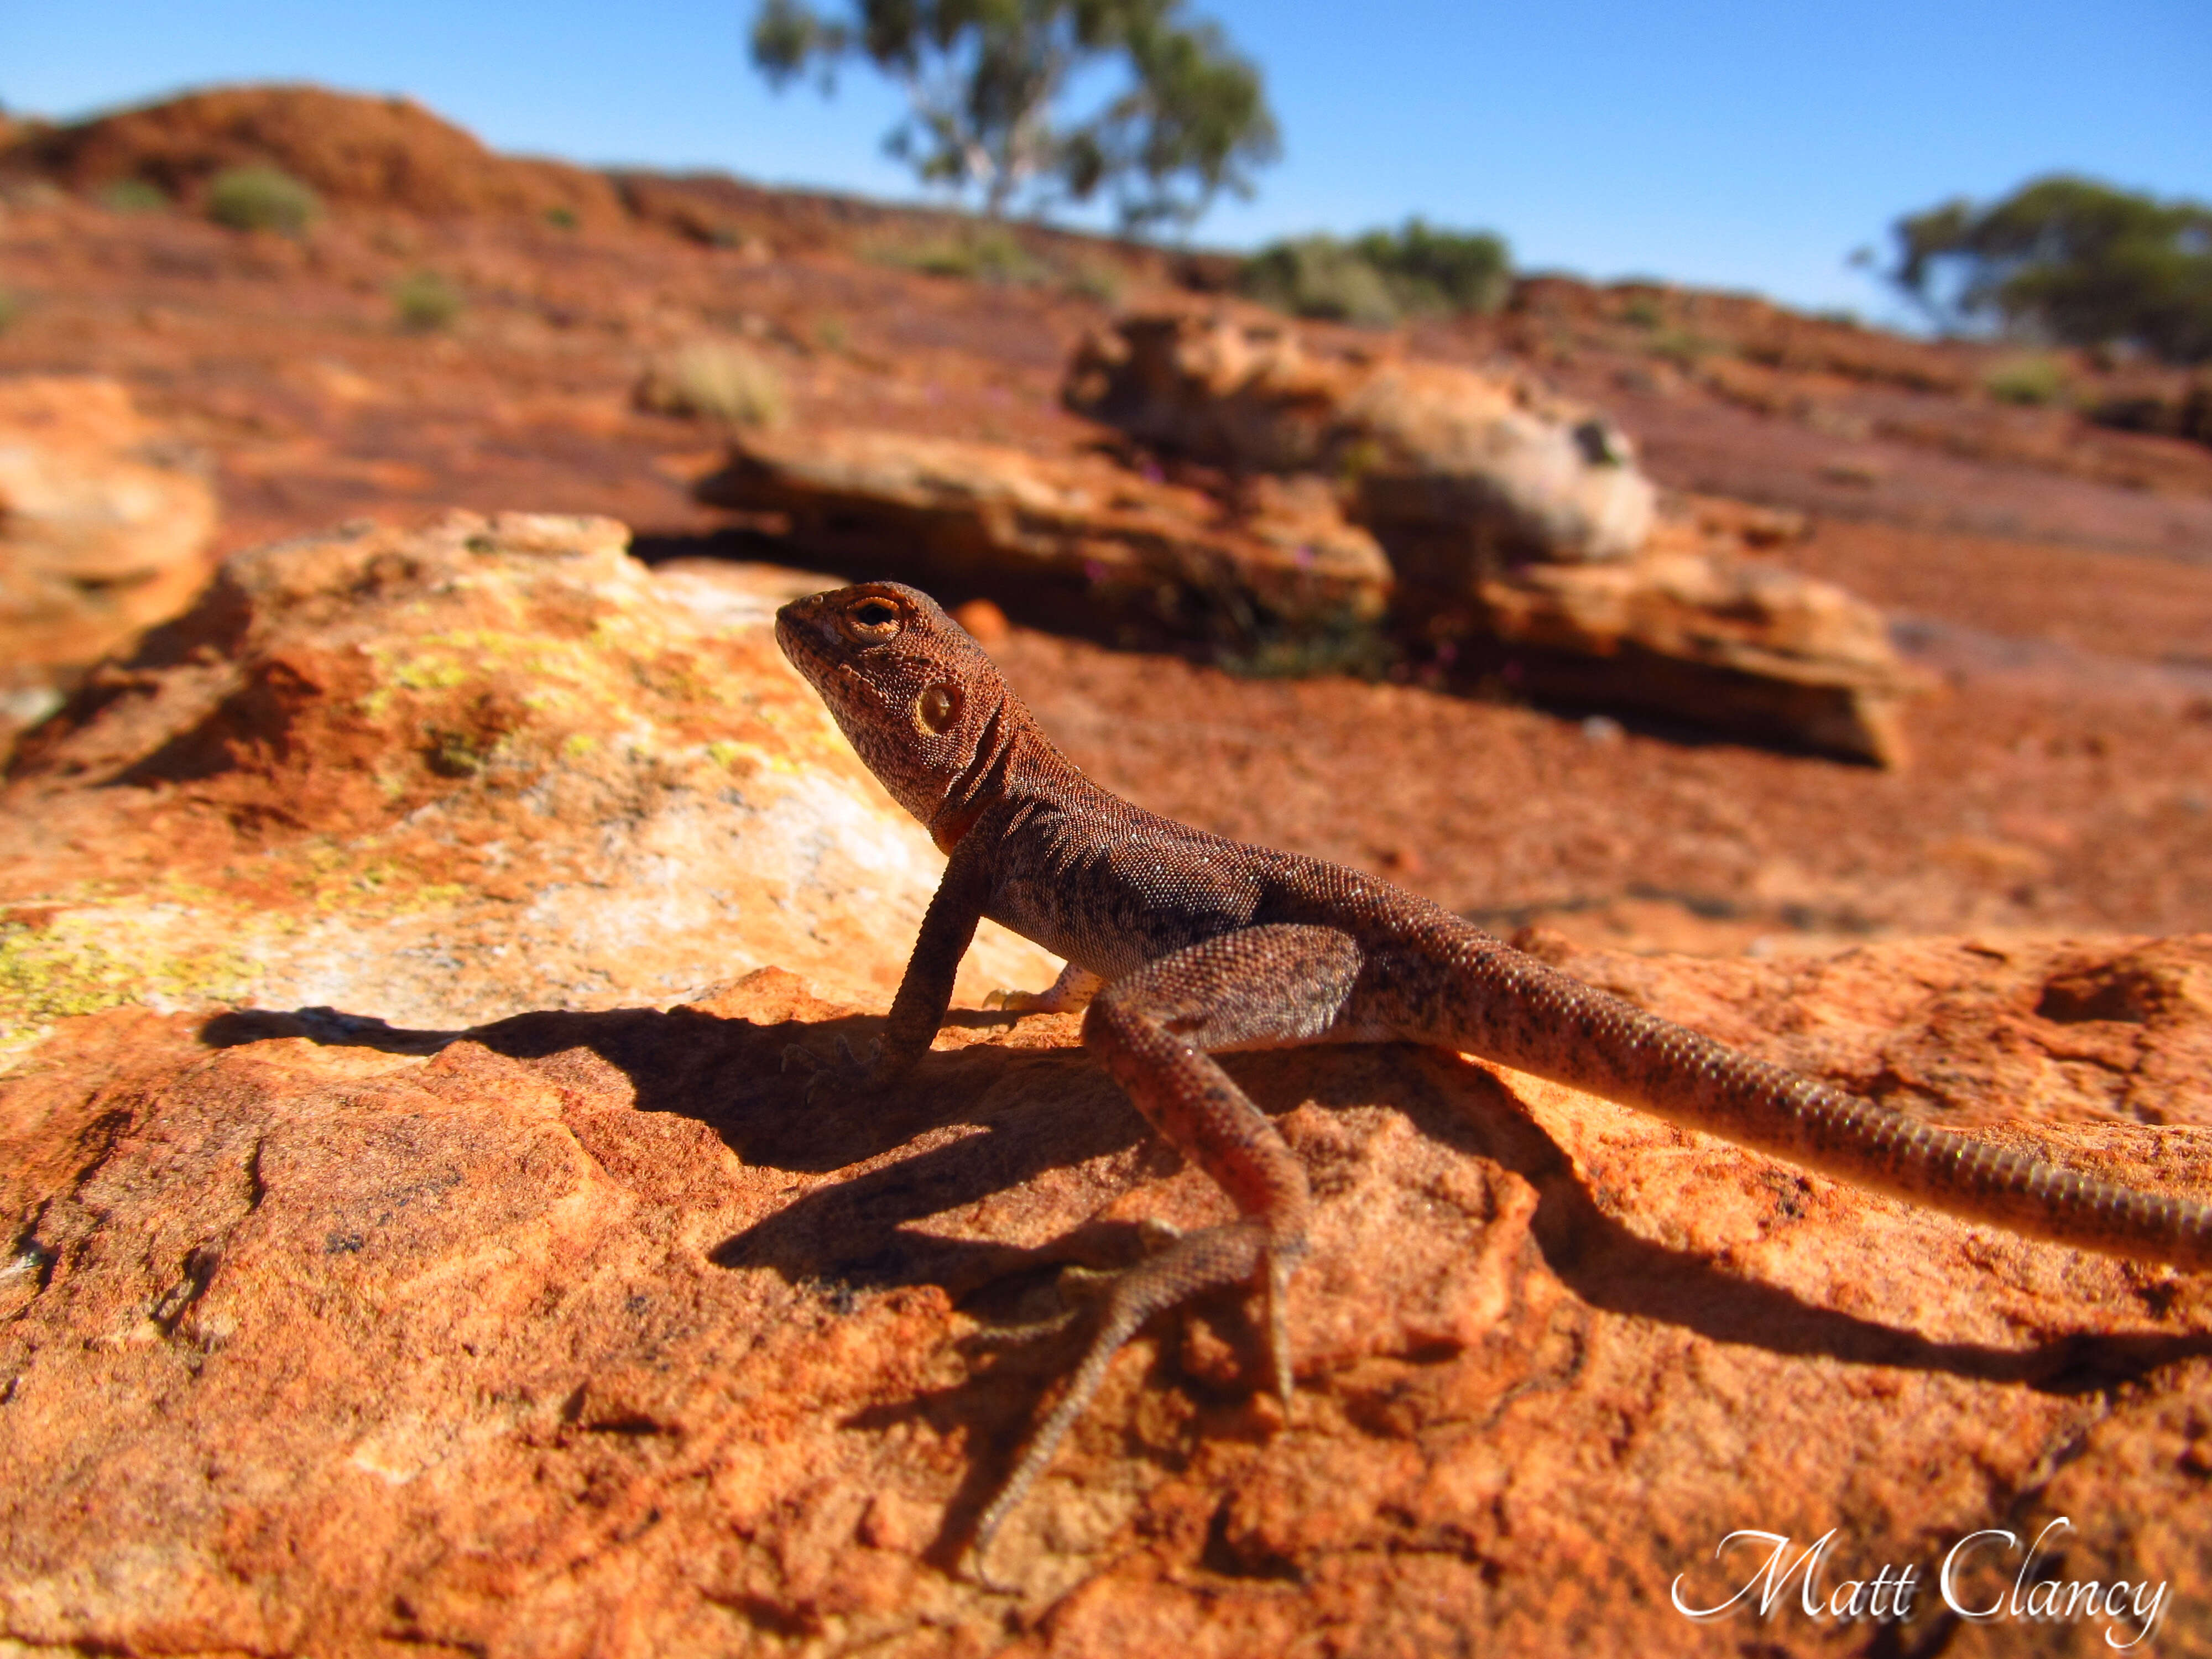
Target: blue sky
(1722, 143)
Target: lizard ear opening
(872, 620)
(938, 708)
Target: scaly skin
(1187, 944)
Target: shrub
(986, 256)
(133, 195)
(561, 218)
(262, 198)
(1682, 347)
(2031, 382)
(1440, 270)
(1377, 277)
(1099, 283)
(1319, 277)
(716, 380)
(9, 310)
(1643, 312)
(426, 303)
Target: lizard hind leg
(1258, 987)
(1073, 989)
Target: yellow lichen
(79, 966)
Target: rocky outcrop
(1456, 472)
(104, 532)
(437, 777)
(1526, 549)
(582, 1332)
(353, 151)
(1076, 542)
(1730, 643)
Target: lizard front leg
(1154, 1030)
(948, 927)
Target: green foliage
(716, 380)
(261, 197)
(1685, 348)
(559, 217)
(1440, 270)
(426, 303)
(1382, 276)
(1319, 277)
(2069, 260)
(1100, 284)
(133, 195)
(990, 256)
(10, 309)
(1643, 311)
(2031, 382)
(986, 78)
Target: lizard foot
(1236, 1254)
(851, 1072)
(1072, 990)
(1079, 1288)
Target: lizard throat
(979, 783)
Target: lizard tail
(1525, 1014)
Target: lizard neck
(1010, 738)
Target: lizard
(1182, 945)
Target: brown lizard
(1185, 945)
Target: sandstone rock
(1078, 542)
(1522, 538)
(2176, 404)
(104, 532)
(1730, 643)
(1456, 472)
(436, 777)
(581, 1333)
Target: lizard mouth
(796, 636)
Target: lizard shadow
(729, 1073)
(1610, 1268)
(994, 1118)
(1613, 1268)
(987, 1120)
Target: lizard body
(1186, 945)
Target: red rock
(104, 532)
(1519, 533)
(1733, 644)
(576, 1334)
(1456, 472)
(434, 777)
(1077, 541)
(353, 151)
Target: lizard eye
(937, 708)
(873, 620)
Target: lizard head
(916, 695)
